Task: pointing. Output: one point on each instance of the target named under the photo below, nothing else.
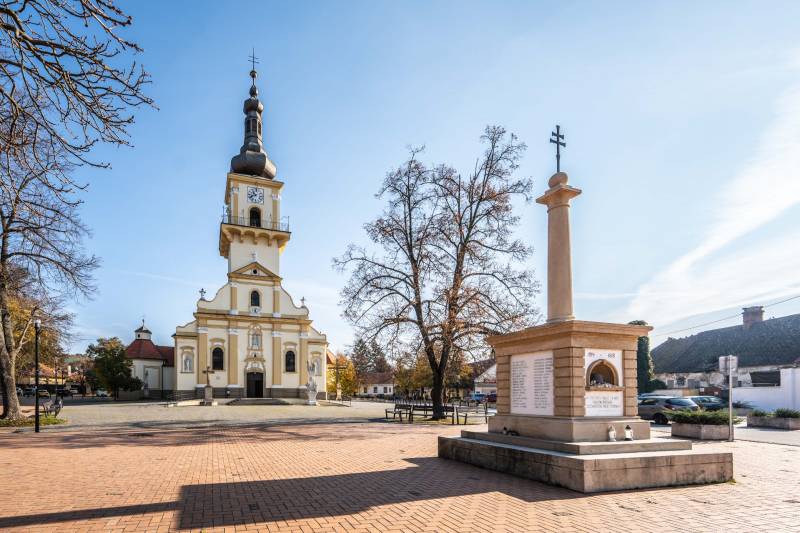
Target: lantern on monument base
(612, 434)
(628, 432)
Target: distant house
(763, 348)
(153, 364)
(376, 384)
(485, 373)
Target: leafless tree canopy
(60, 55)
(449, 269)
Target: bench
(399, 411)
(476, 412)
(52, 408)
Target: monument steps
(592, 472)
(583, 448)
(259, 401)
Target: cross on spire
(202, 294)
(253, 62)
(557, 138)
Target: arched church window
(290, 361)
(255, 217)
(217, 359)
(255, 299)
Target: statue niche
(601, 374)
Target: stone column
(202, 354)
(303, 356)
(234, 307)
(233, 356)
(629, 382)
(277, 355)
(559, 256)
(276, 300)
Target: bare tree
(41, 241)
(58, 55)
(62, 92)
(449, 270)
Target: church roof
(147, 349)
(252, 158)
(772, 342)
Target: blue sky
(682, 123)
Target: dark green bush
(787, 413)
(761, 412)
(711, 418)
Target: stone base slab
(773, 422)
(700, 431)
(592, 473)
(583, 448)
(570, 429)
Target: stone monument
(311, 386)
(567, 396)
(208, 390)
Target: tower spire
(252, 158)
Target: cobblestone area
(347, 477)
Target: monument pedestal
(208, 396)
(560, 388)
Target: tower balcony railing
(256, 222)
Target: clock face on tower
(255, 195)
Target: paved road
(349, 477)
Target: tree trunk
(11, 409)
(437, 395)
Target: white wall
(771, 398)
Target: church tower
(251, 339)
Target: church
(250, 339)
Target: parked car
(43, 393)
(64, 392)
(477, 397)
(29, 391)
(101, 393)
(491, 397)
(657, 408)
(709, 403)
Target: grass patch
(30, 422)
(710, 418)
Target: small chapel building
(250, 339)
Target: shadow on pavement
(229, 504)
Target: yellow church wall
(242, 255)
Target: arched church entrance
(255, 384)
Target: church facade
(251, 339)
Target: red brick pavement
(348, 477)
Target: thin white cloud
(722, 272)
(171, 279)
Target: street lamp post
(37, 324)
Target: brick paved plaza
(346, 476)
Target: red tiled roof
(168, 352)
(375, 378)
(146, 349)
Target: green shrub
(711, 418)
(787, 413)
(761, 412)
